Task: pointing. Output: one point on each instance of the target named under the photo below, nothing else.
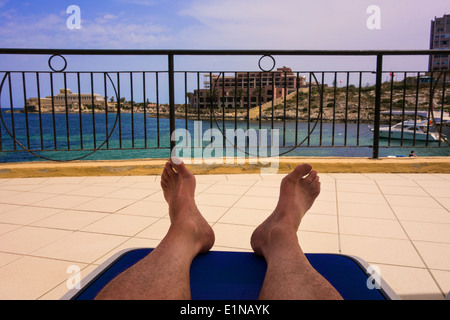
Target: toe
(311, 177)
(169, 169)
(179, 165)
(301, 171)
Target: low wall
(285, 165)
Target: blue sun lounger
(220, 275)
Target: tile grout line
(337, 216)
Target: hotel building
(246, 89)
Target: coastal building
(440, 39)
(246, 89)
(58, 102)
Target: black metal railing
(140, 110)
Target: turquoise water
(138, 135)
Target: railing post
(171, 100)
(376, 129)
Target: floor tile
(420, 176)
(226, 189)
(157, 196)
(318, 242)
(419, 214)
(101, 180)
(63, 201)
(359, 197)
(138, 179)
(384, 176)
(210, 177)
(44, 274)
(117, 224)
(252, 202)
(146, 208)
(146, 185)
(438, 192)
(424, 202)
(234, 236)
(20, 187)
(63, 180)
(444, 202)
(427, 231)
(324, 207)
(379, 250)
(245, 216)
(212, 213)
(275, 183)
(27, 215)
(93, 190)
(25, 240)
(5, 228)
(400, 190)
(27, 181)
(250, 177)
(399, 278)
(70, 219)
(371, 227)
(83, 247)
(156, 231)
(5, 207)
(30, 198)
(345, 186)
(401, 182)
(365, 210)
(130, 193)
(443, 280)
(319, 223)
(436, 255)
(441, 184)
(58, 188)
(217, 199)
(348, 176)
(7, 258)
(104, 205)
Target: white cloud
(295, 24)
(105, 31)
(139, 2)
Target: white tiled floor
(399, 222)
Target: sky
(219, 24)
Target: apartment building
(246, 89)
(440, 39)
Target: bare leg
(289, 274)
(164, 273)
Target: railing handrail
(220, 52)
(170, 55)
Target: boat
(409, 130)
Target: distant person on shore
(164, 273)
(412, 154)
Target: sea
(69, 137)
